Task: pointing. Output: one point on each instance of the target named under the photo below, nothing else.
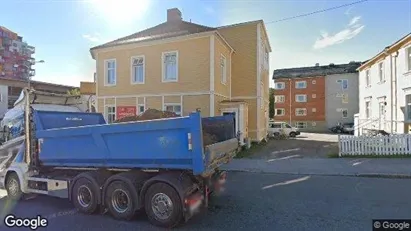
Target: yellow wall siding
(100, 106)
(154, 102)
(172, 99)
(246, 122)
(192, 102)
(221, 49)
(130, 101)
(217, 106)
(140, 100)
(243, 39)
(193, 68)
(110, 101)
(252, 118)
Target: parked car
(348, 128)
(277, 128)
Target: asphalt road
(258, 202)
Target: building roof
(37, 82)
(164, 30)
(316, 71)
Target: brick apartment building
(316, 98)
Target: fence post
(339, 146)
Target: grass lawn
(255, 147)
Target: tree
(74, 91)
(271, 105)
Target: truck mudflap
(220, 153)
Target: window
(279, 85)
(137, 70)
(344, 84)
(344, 98)
(273, 125)
(408, 109)
(367, 78)
(300, 98)
(110, 114)
(223, 69)
(314, 96)
(381, 71)
(300, 84)
(344, 113)
(140, 109)
(176, 108)
(368, 109)
(279, 112)
(279, 99)
(300, 124)
(313, 82)
(110, 72)
(170, 66)
(300, 111)
(408, 54)
(314, 109)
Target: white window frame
(368, 109)
(298, 82)
(163, 66)
(280, 83)
(223, 69)
(132, 69)
(173, 105)
(367, 78)
(407, 111)
(279, 98)
(381, 70)
(344, 98)
(282, 111)
(314, 96)
(106, 69)
(138, 108)
(301, 127)
(106, 113)
(313, 81)
(408, 59)
(302, 101)
(342, 113)
(300, 109)
(314, 109)
(342, 84)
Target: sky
(64, 31)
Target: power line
(316, 12)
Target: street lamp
(28, 67)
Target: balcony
(30, 49)
(32, 72)
(31, 61)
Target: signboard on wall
(124, 111)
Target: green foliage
(74, 91)
(271, 105)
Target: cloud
(92, 38)
(351, 30)
(348, 11)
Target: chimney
(317, 64)
(174, 15)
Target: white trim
(163, 66)
(225, 70)
(303, 101)
(303, 109)
(238, 119)
(136, 105)
(132, 67)
(181, 102)
(106, 84)
(231, 59)
(106, 111)
(96, 82)
(212, 74)
(153, 95)
(162, 101)
(301, 81)
(258, 78)
(221, 95)
(282, 109)
(275, 85)
(173, 104)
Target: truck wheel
(13, 187)
(163, 205)
(85, 196)
(120, 201)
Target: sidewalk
(323, 166)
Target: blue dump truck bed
(69, 139)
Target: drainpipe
(395, 90)
(391, 91)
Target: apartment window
(176, 108)
(344, 84)
(408, 109)
(313, 82)
(170, 66)
(279, 85)
(381, 71)
(300, 111)
(368, 109)
(279, 99)
(314, 96)
(300, 124)
(300, 98)
(344, 98)
(110, 114)
(408, 54)
(344, 113)
(223, 69)
(110, 71)
(367, 78)
(301, 84)
(137, 71)
(279, 112)
(140, 109)
(314, 109)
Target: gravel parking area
(306, 145)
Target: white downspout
(392, 95)
(395, 90)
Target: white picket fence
(397, 144)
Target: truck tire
(13, 187)
(120, 200)
(163, 205)
(84, 196)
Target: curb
(365, 175)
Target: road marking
(283, 158)
(288, 150)
(286, 182)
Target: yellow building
(182, 66)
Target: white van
(276, 128)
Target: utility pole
(289, 81)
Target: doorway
(235, 121)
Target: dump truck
(158, 166)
